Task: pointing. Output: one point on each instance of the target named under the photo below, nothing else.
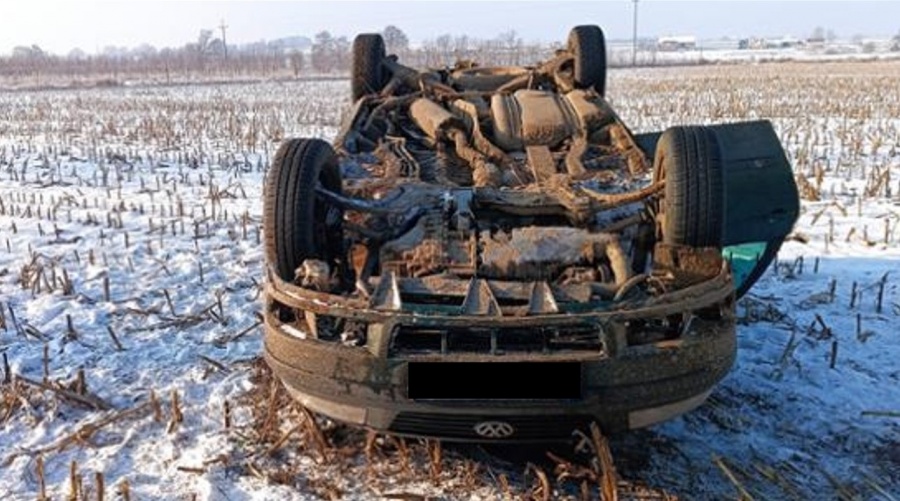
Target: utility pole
(634, 36)
(223, 27)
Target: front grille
(409, 340)
(462, 427)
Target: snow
(142, 186)
(688, 54)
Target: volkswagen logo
(494, 429)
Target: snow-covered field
(130, 270)
(620, 55)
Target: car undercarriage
(503, 224)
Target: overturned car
(490, 254)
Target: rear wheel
(692, 209)
(367, 75)
(588, 47)
(297, 224)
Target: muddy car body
(491, 254)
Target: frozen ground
(111, 202)
(621, 56)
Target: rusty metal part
(688, 265)
(485, 79)
(544, 117)
(418, 80)
(470, 112)
(609, 201)
(542, 71)
(708, 292)
(393, 153)
(434, 119)
(574, 165)
(531, 118)
(592, 112)
(635, 159)
(439, 124)
(405, 223)
(484, 172)
(387, 206)
(541, 162)
(534, 252)
(387, 104)
(386, 296)
(628, 286)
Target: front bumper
(624, 385)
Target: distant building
(770, 43)
(752, 43)
(673, 43)
(815, 42)
(787, 42)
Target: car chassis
(481, 220)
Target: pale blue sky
(92, 25)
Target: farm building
(676, 43)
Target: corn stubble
(152, 187)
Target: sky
(59, 26)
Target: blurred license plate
(494, 380)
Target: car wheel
(588, 47)
(297, 224)
(692, 209)
(367, 75)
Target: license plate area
(494, 380)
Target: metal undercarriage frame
(493, 215)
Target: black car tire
(297, 225)
(367, 75)
(588, 47)
(693, 202)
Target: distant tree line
(203, 58)
(208, 58)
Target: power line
(223, 27)
(634, 36)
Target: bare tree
(296, 59)
(395, 40)
(511, 46)
(818, 34)
(144, 51)
(77, 54)
(204, 41)
(462, 47)
(341, 54)
(323, 52)
(444, 46)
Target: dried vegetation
(101, 190)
